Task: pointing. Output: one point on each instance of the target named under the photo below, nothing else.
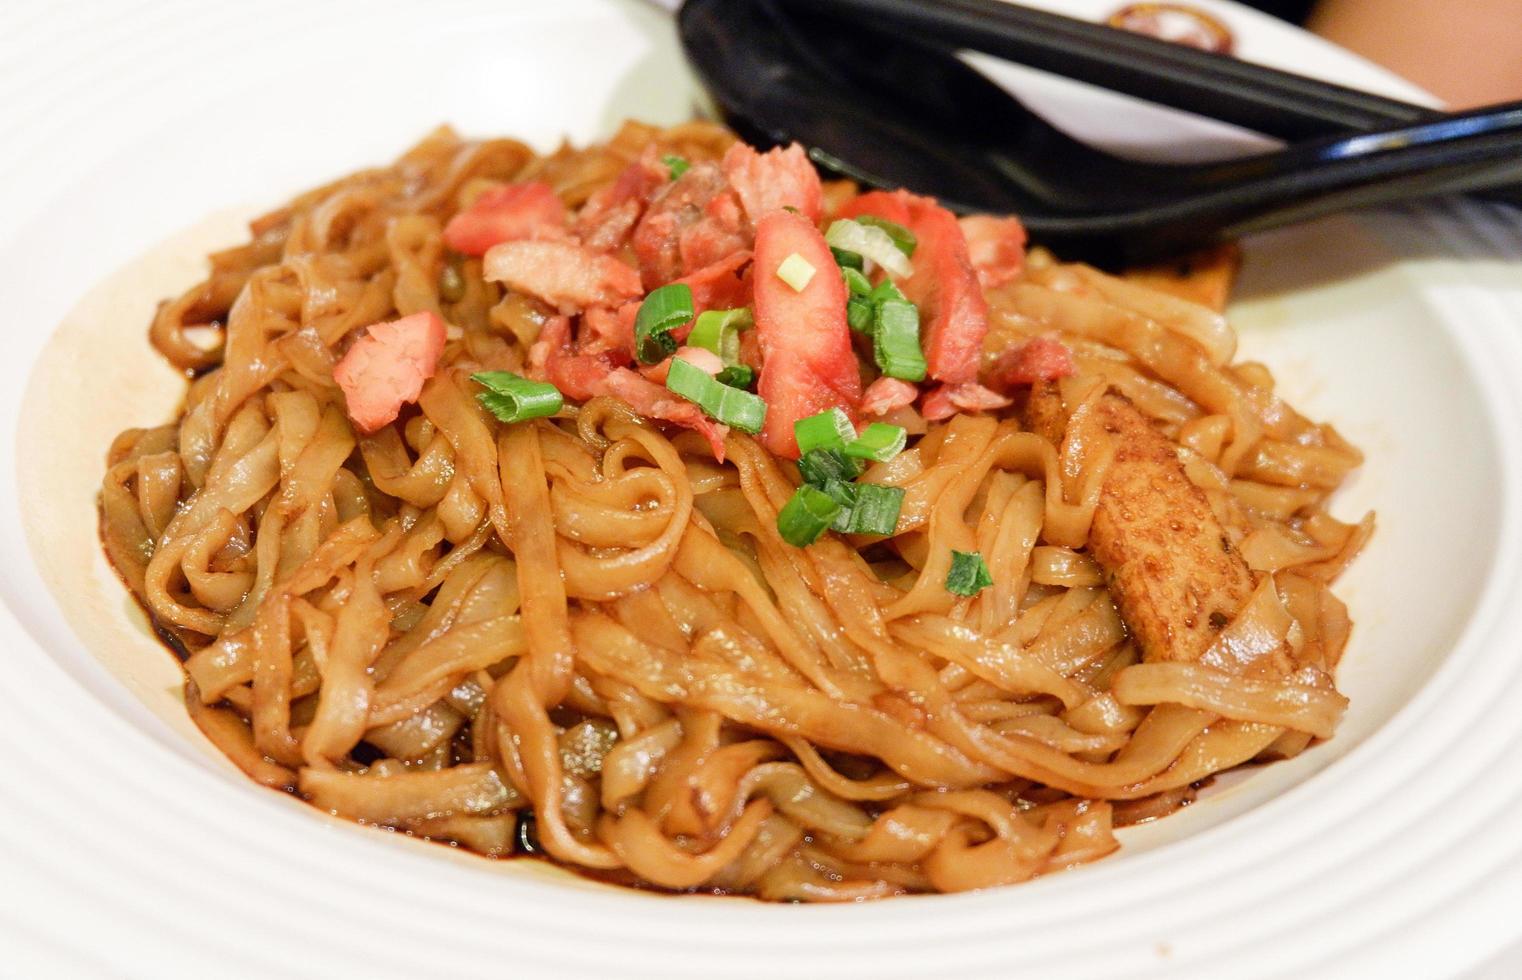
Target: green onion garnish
(820, 466)
(732, 406)
(903, 238)
(878, 442)
(451, 283)
(870, 242)
(865, 508)
(847, 259)
(806, 515)
(796, 271)
(675, 165)
(719, 331)
(859, 315)
(740, 409)
(830, 429)
(737, 375)
(663, 311)
(885, 291)
(856, 281)
(843, 494)
(514, 399)
(875, 509)
(896, 340)
(968, 575)
(689, 381)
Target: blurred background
(1466, 52)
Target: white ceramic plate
(127, 846)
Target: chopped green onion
(869, 242)
(878, 442)
(675, 165)
(796, 271)
(847, 259)
(514, 399)
(843, 494)
(830, 429)
(451, 283)
(737, 375)
(856, 281)
(859, 315)
(719, 331)
(902, 237)
(885, 291)
(968, 575)
(719, 401)
(865, 508)
(875, 509)
(896, 341)
(806, 515)
(663, 311)
(740, 409)
(690, 381)
(820, 466)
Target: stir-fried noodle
(584, 635)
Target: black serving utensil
(1257, 97)
(891, 110)
(1218, 86)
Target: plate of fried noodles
(474, 514)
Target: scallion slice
(719, 331)
(830, 429)
(859, 315)
(663, 311)
(732, 406)
(875, 509)
(856, 281)
(691, 382)
(820, 466)
(737, 376)
(878, 442)
(847, 259)
(512, 398)
(865, 508)
(740, 409)
(902, 237)
(675, 165)
(843, 494)
(806, 515)
(870, 243)
(968, 575)
(796, 271)
(885, 291)
(896, 340)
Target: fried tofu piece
(1204, 277)
(1172, 570)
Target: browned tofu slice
(1205, 277)
(1172, 570)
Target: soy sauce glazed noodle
(585, 634)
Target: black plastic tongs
(874, 90)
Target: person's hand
(1466, 52)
